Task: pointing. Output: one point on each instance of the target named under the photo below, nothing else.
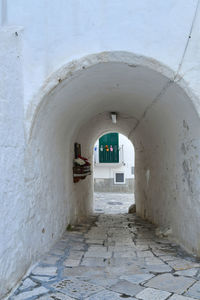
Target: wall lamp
(113, 117)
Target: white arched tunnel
(154, 111)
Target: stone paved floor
(113, 257)
(112, 203)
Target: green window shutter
(109, 142)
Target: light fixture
(113, 117)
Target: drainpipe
(122, 149)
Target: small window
(119, 178)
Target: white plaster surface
(48, 61)
(57, 30)
(12, 201)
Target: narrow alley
(113, 257)
(112, 203)
(80, 82)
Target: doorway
(113, 174)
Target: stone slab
(43, 278)
(181, 264)
(153, 294)
(27, 283)
(153, 261)
(47, 271)
(98, 254)
(124, 254)
(76, 288)
(127, 288)
(179, 297)
(189, 272)
(55, 296)
(35, 292)
(71, 262)
(76, 254)
(160, 268)
(194, 291)
(94, 262)
(137, 278)
(170, 283)
(107, 295)
(83, 271)
(103, 281)
(145, 254)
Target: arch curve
(155, 110)
(70, 70)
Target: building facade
(114, 165)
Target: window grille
(119, 178)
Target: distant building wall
(102, 185)
(105, 173)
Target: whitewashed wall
(145, 64)
(13, 205)
(58, 31)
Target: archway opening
(154, 112)
(113, 174)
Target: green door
(109, 148)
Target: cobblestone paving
(112, 203)
(113, 257)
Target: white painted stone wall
(58, 31)
(144, 63)
(14, 259)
